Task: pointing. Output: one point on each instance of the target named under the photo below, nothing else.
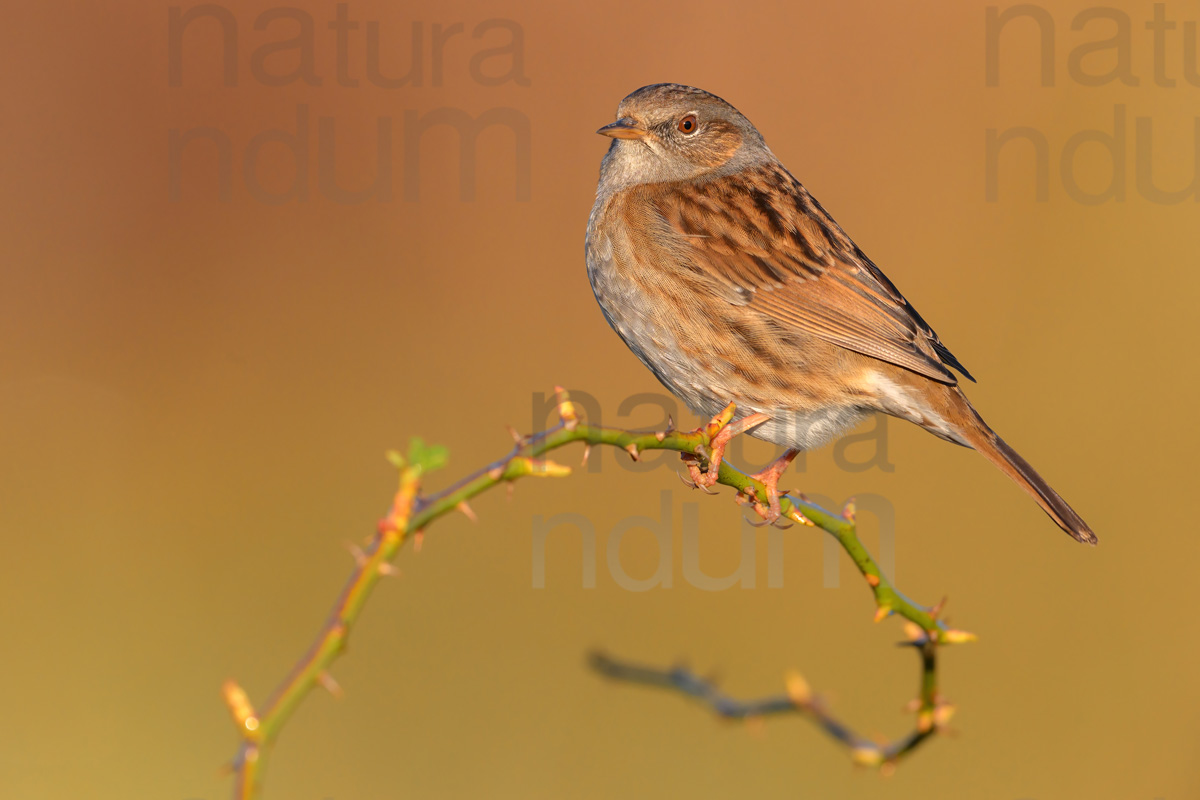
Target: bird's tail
(978, 435)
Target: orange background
(195, 398)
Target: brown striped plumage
(731, 282)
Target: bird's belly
(800, 418)
(708, 352)
(704, 367)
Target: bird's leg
(769, 478)
(716, 443)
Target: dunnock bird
(732, 284)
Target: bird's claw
(720, 433)
(769, 478)
(697, 479)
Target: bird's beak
(624, 128)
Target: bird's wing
(760, 239)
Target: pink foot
(769, 478)
(717, 444)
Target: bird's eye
(688, 124)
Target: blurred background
(208, 341)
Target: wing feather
(760, 239)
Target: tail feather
(982, 438)
(1017, 468)
(946, 412)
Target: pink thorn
(359, 556)
(329, 684)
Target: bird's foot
(769, 478)
(720, 431)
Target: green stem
(411, 514)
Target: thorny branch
(798, 698)
(411, 512)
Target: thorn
(388, 570)
(798, 690)
(418, 541)
(360, 558)
(942, 714)
(239, 706)
(882, 613)
(915, 632)
(796, 516)
(545, 468)
(631, 448)
(660, 435)
(756, 726)
(587, 451)
(497, 473)
(912, 706)
(866, 755)
(872, 580)
(936, 610)
(888, 768)
(718, 422)
(954, 636)
(250, 754)
(329, 684)
(517, 437)
(467, 511)
(566, 409)
(670, 424)
(511, 490)
(850, 510)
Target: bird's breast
(617, 272)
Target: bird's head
(668, 132)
